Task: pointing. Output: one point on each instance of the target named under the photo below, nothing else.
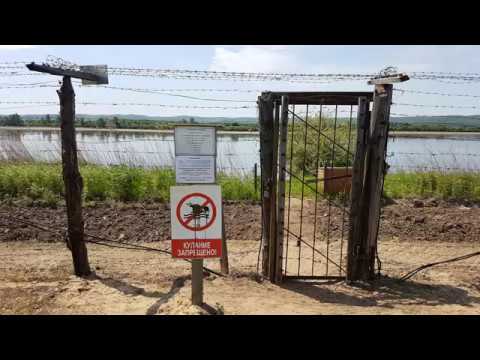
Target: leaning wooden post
(378, 138)
(265, 104)
(72, 179)
(367, 181)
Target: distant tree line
(433, 127)
(116, 123)
(122, 123)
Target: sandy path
(35, 278)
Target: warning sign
(196, 221)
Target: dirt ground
(432, 221)
(36, 278)
(36, 268)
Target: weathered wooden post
(71, 174)
(367, 179)
(72, 179)
(356, 238)
(282, 164)
(266, 108)
(224, 268)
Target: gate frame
(273, 162)
(368, 172)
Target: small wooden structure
(336, 179)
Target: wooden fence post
(72, 179)
(265, 104)
(368, 173)
(272, 242)
(282, 164)
(224, 259)
(378, 138)
(356, 232)
(369, 170)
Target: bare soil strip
(36, 268)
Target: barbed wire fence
(143, 155)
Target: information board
(195, 169)
(195, 140)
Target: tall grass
(44, 182)
(445, 185)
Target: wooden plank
(265, 105)
(358, 168)
(380, 122)
(282, 164)
(64, 72)
(324, 98)
(389, 79)
(273, 198)
(72, 179)
(336, 179)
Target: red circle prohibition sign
(185, 222)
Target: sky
(258, 58)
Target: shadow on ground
(129, 289)
(383, 292)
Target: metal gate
(308, 145)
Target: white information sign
(195, 140)
(195, 169)
(196, 218)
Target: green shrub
(128, 184)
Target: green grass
(443, 185)
(43, 184)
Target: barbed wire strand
(102, 241)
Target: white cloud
(16, 47)
(262, 58)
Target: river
(237, 152)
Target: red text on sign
(194, 249)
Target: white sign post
(196, 210)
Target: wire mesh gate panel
(308, 145)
